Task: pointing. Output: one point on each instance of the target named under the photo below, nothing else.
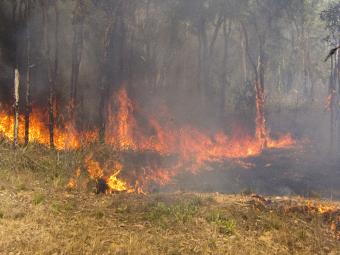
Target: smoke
(184, 63)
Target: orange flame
(192, 147)
(96, 172)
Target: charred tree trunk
(47, 60)
(111, 29)
(225, 79)
(261, 132)
(203, 60)
(332, 103)
(260, 121)
(104, 81)
(244, 60)
(28, 74)
(51, 101)
(16, 107)
(77, 49)
(338, 98)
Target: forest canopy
(202, 58)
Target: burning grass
(178, 147)
(39, 215)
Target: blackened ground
(297, 171)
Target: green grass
(167, 214)
(38, 198)
(224, 224)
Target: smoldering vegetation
(198, 63)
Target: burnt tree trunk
(332, 103)
(338, 96)
(28, 73)
(106, 68)
(244, 59)
(225, 79)
(53, 77)
(104, 81)
(77, 49)
(260, 121)
(260, 100)
(203, 60)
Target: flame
(93, 168)
(192, 148)
(120, 126)
(65, 138)
(72, 183)
(96, 172)
(321, 208)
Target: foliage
(331, 17)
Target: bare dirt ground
(38, 215)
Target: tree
(331, 17)
(28, 71)
(79, 15)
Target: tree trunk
(332, 105)
(337, 70)
(203, 60)
(77, 48)
(104, 82)
(260, 121)
(244, 60)
(16, 107)
(225, 80)
(52, 75)
(261, 131)
(28, 74)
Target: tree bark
(16, 107)
(225, 80)
(244, 60)
(261, 131)
(332, 103)
(53, 74)
(104, 82)
(28, 74)
(77, 48)
(203, 60)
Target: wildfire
(96, 172)
(191, 147)
(65, 138)
(321, 208)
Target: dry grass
(39, 216)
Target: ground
(39, 215)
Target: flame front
(192, 147)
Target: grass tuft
(225, 225)
(38, 198)
(165, 214)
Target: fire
(120, 126)
(65, 138)
(283, 142)
(192, 148)
(321, 208)
(96, 172)
(72, 183)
